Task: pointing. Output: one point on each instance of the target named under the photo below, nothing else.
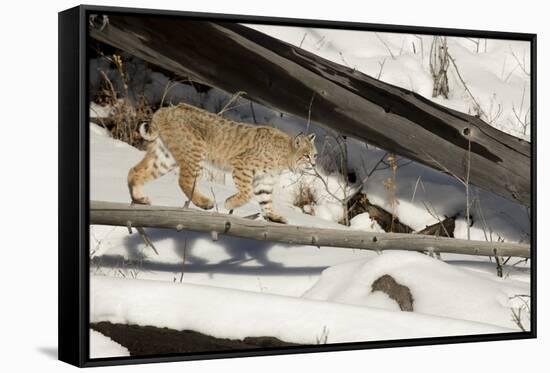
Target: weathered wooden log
(445, 228)
(119, 214)
(234, 58)
(150, 340)
(360, 203)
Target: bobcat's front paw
(141, 201)
(204, 203)
(276, 218)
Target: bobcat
(185, 135)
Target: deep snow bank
(102, 346)
(237, 314)
(437, 288)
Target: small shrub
(305, 198)
(126, 114)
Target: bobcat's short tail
(147, 132)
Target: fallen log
(125, 215)
(444, 228)
(150, 340)
(360, 203)
(234, 58)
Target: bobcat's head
(305, 153)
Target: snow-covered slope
(236, 288)
(439, 288)
(241, 278)
(237, 314)
(102, 346)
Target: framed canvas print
(234, 186)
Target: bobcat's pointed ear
(298, 139)
(311, 137)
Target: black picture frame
(74, 185)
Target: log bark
(360, 203)
(444, 228)
(120, 214)
(234, 58)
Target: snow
(102, 346)
(235, 288)
(98, 111)
(365, 223)
(264, 283)
(496, 75)
(439, 288)
(237, 314)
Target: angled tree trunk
(235, 58)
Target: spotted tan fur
(185, 136)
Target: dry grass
(126, 114)
(305, 196)
(390, 186)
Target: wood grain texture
(120, 214)
(234, 58)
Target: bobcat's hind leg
(157, 162)
(243, 182)
(189, 175)
(263, 189)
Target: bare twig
(341, 200)
(309, 112)
(492, 115)
(146, 239)
(381, 68)
(516, 317)
(476, 42)
(465, 182)
(467, 185)
(253, 112)
(343, 59)
(477, 106)
(486, 227)
(375, 168)
(522, 64)
(234, 97)
(303, 39)
(523, 119)
(214, 197)
(445, 169)
(385, 45)
(500, 265)
(428, 206)
(439, 64)
(421, 46)
(323, 337)
(510, 73)
(418, 181)
(516, 312)
(186, 204)
(184, 254)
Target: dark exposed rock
(399, 293)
